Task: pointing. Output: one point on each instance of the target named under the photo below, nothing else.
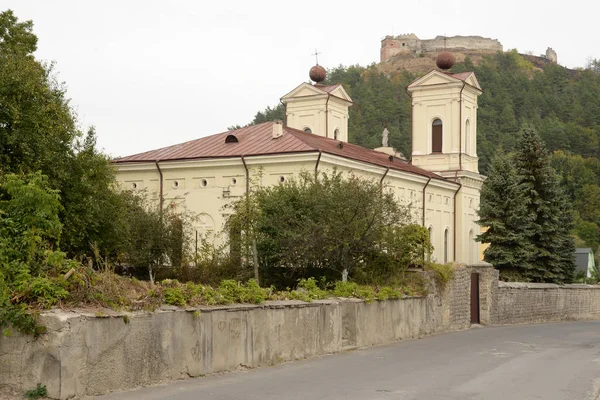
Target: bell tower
(444, 119)
(317, 108)
(444, 141)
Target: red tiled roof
(327, 89)
(461, 75)
(258, 140)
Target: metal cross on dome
(316, 54)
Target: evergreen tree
(552, 223)
(504, 210)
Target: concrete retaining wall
(86, 354)
(83, 354)
(521, 303)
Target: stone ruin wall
(461, 42)
(411, 44)
(551, 55)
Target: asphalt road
(549, 361)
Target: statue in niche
(385, 137)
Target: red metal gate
(474, 298)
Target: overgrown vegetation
(230, 292)
(442, 274)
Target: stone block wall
(459, 292)
(522, 303)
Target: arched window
(231, 139)
(468, 137)
(446, 246)
(307, 130)
(436, 136)
(336, 134)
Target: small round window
(307, 130)
(175, 184)
(203, 183)
(282, 179)
(234, 181)
(134, 185)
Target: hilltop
(425, 61)
(518, 90)
(409, 53)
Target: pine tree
(551, 212)
(504, 210)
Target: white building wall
(207, 187)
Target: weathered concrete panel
(83, 354)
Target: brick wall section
(458, 295)
(521, 303)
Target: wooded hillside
(563, 105)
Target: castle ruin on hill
(411, 44)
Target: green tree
(504, 211)
(587, 203)
(554, 247)
(36, 123)
(38, 132)
(330, 223)
(16, 37)
(29, 234)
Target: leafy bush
(345, 289)
(352, 289)
(311, 287)
(387, 292)
(174, 296)
(29, 225)
(254, 294)
(365, 292)
(45, 292)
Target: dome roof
(317, 74)
(445, 60)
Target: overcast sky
(148, 74)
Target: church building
(441, 181)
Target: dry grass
(107, 289)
